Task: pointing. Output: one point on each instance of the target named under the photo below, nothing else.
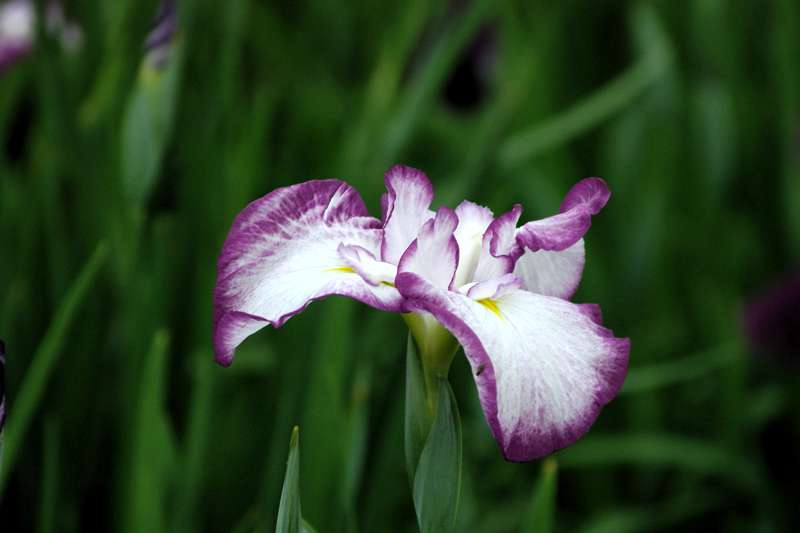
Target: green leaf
(44, 361)
(152, 452)
(196, 447)
(417, 417)
(663, 450)
(658, 375)
(437, 483)
(148, 122)
(541, 513)
(417, 101)
(598, 106)
(289, 518)
(325, 414)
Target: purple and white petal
(364, 263)
(434, 253)
(563, 230)
(405, 208)
(500, 249)
(473, 220)
(543, 367)
(552, 273)
(493, 288)
(282, 253)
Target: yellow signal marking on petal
(341, 269)
(491, 305)
(387, 283)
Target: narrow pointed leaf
(289, 518)
(437, 483)
(152, 452)
(44, 361)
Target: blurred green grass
(690, 110)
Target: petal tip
(591, 193)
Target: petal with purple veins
(282, 253)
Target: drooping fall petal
(282, 253)
(543, 367)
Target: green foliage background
(119, 181)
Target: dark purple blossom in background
(772, 320)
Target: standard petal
(500, 249)
(473, 220)
(434, 253)
(552, 273)
(283, 252)
(543, 367)
(563, 230)
(404, 208)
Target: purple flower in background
(18, 29)
(159, 40)
(543, 366)
(772, 320)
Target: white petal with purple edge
(405, 209)
(543, 367)
(283, 252)
(473, 220)
(499, 250)
(586, 198)
(552, 273)
(434, 253)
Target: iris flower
(543, 366)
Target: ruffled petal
(283, 252)
(473, 220)
(552, 273)
(404, 209)
(500, 249)
(563, 230)
(543, 366)
(434, 253)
